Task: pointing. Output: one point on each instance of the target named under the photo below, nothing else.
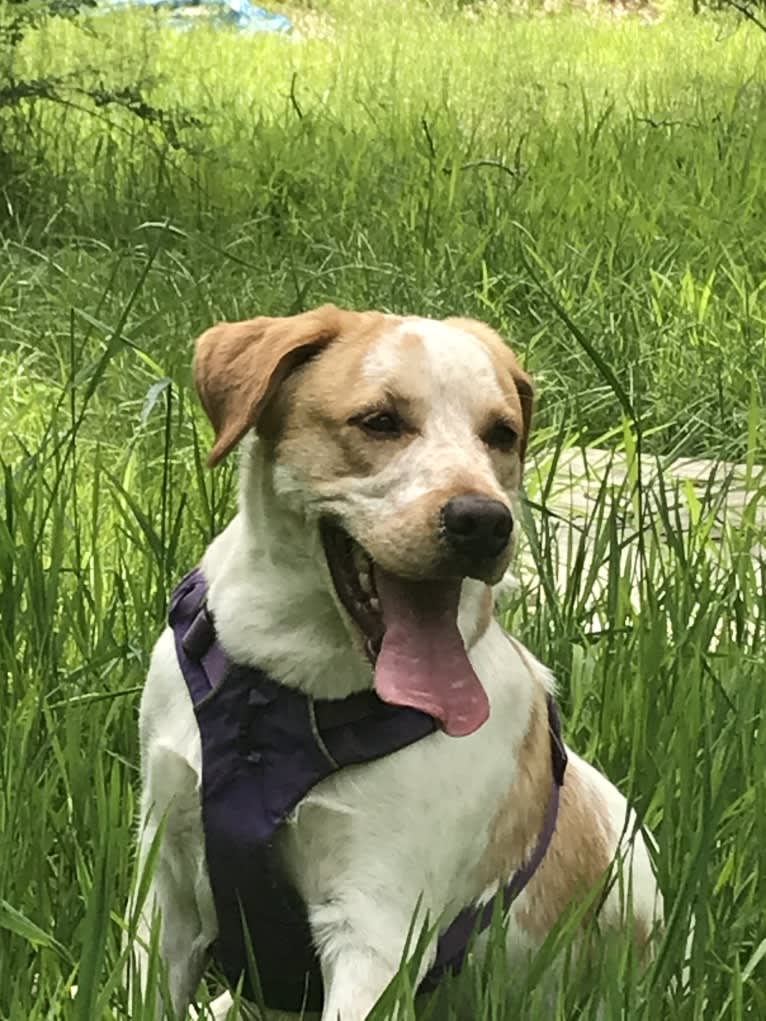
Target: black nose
(476, 525)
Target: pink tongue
(422, 662)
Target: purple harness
(264, 746)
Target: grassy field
(596, 188)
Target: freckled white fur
(368, 842)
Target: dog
(381, 462)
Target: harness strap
(200, 654)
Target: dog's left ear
(239, 366)
(526, 392)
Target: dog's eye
(382, 423)
(500, 436)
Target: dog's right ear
(239, 366)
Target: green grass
(596, 188)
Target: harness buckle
(200, 635)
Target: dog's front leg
(360, 944)
(179, 897)
(354, 977)
(183, 948)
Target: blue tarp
(240, 15)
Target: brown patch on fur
(579, 855)
(580, 851)
(519, 819)
(515, 383)
(311, 419)
(330, 391)
(238, 367)
(411, 344)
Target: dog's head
(401, 441)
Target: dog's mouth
(410, 634)
(351, 569)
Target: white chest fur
(370, 842)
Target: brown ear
(239, 366)
(526, 393)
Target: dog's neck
(273, 599)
